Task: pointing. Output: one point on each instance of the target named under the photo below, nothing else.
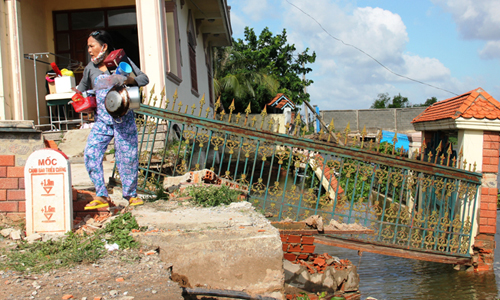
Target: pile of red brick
(297, 246)
(317, 263)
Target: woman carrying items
(96, 76)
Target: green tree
(381, 101)
(272, 58)
(232, 78)
(428, 102)
(384, 101)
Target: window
(192, 54)
(173, 42)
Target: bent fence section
(389, 200)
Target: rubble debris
(315, 222)
(335, 225)
(317, 263)
(177, 184)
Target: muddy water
(386, 277)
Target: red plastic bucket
(83, 104)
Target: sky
(452, 45)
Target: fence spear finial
(202, 102)
(438, 150)
(151, 93)
(175, 96)
(216, 107)
(422, 152)
(449, 152)
(247, 112)
(363, 135)
(346, 132)
(162, 95)
(231, 108)
(263, 114)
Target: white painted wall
(472, 143)
(184, 88)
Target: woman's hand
(130, 81)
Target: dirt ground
(120, 275)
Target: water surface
(386, 277)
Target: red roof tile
(280, 101)
(474, 104)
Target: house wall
(37, 36)
(184, 88)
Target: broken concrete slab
(232, 248)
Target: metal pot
(120, 99)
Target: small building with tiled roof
(470, 124)
(475, 108)
(279, 103)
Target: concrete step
(230, 248)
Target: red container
(114, 58)
(83, 104)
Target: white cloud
(476, 19)
(491, 50)
(345, 78)
(347, 75)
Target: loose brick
(483, 228)
(307, 240)
(15, 172)
(290, 256)
(9, 206)
(294, 239)
(3, 195)
(3, 172)
(9, 183)
(485, 237)
(294, 248)
(7, 160)
(285, 247)
(308, 248)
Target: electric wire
(373, 58)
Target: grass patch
(213, 195)
(71, 249)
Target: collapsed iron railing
(395, 201)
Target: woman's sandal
(135, 201)
(97, 203)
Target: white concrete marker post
(49, 197)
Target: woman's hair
(103, 37)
